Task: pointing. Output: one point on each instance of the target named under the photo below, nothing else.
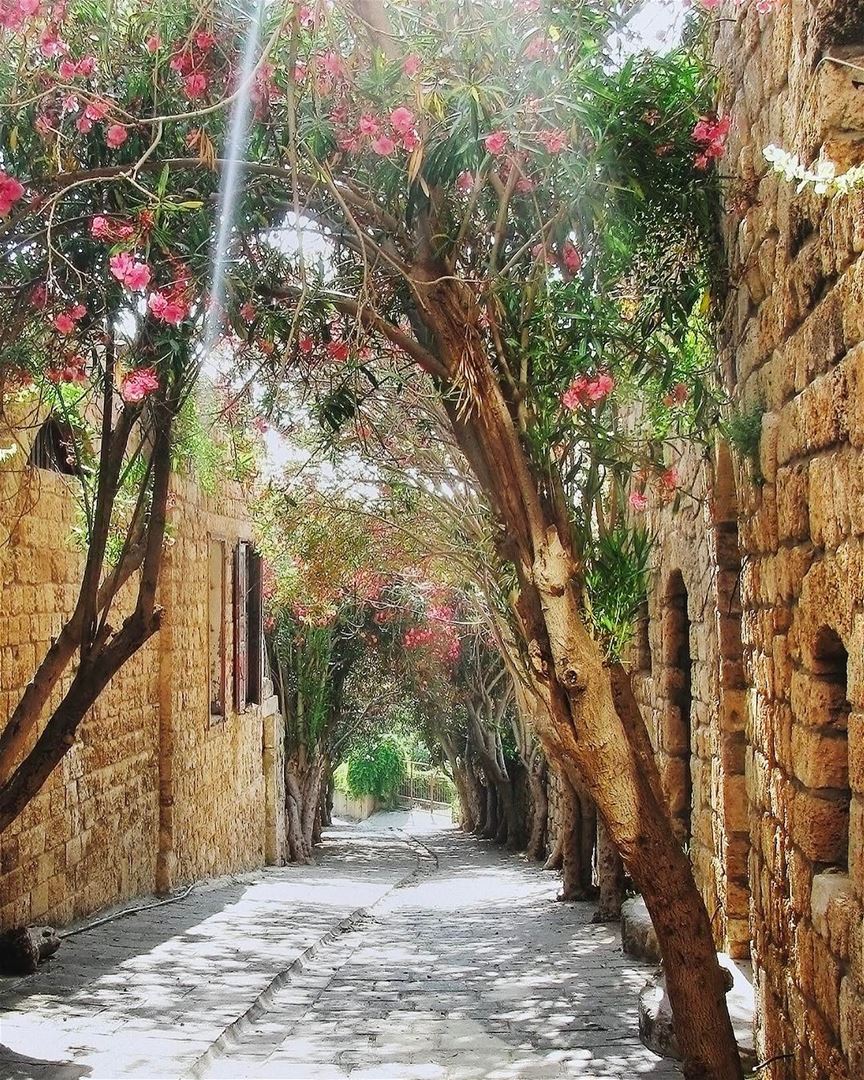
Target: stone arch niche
(731, 799)
(824, 770)
(676, 737)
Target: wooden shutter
(241, 625)
(255, 620)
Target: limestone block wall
(153, 793)
(90, 836)
(689, 680)
(792, 347)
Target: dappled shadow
(159, 986)
(20, 1067)
(469, 972)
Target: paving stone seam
(235, 1030)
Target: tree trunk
(610, 874)
(477, 792)
(599, 737)
(539, 807)
(298, 850)
(555, 859)
(490, 827)
(573, 830)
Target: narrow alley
(408, 951)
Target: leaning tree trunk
(477, 791)
(600, 737)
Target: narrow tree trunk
(572, 846)
(610, 874)
(555, 860)
(478, 799)
(490, 829)
(298, 851)
(539, 808)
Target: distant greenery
(377, 768)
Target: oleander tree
(484, 196)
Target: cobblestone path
(394, 957)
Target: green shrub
(377, 768)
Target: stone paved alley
(403, 954)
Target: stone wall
(689, 680)
(781, 738)
(792, 346)
(153, 793)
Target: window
(248, 627)
(677, 736)
(217, 628)
(54, 448)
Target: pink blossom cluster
(69, 69)
(666, 485)
(710, 133)
(15, 13)
(66, 321)
(72, 369)
(138, 384)
(11, 191)
(129, 271)
(384, 137)
(588, 390)
(190, 61)
(112, 232)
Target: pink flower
(638, 501)
(195, 86)
(116, 135)
(496, 142)
(410, 141)
(587, 391)
(524, 185)
(411, 65)
(39, 296)
(465, 181)
(306, 344)
(96, 110)
(367, 125)
(338, 350)
(86, 66)
(711, 134)
(138, 384)
(679, 393)
(668, 481)
(113, 232)
(553, 141)
(50, 43)
(66, 320)
(383, 145)
(166, 309)
(11, 191)
(402, 120)
(572, 257)
(154, 43)
(84, 124)
(134, 275)
(537, 48)
(67, 70)
(247, 312)
(71, 104)
(204, 40)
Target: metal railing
(425, 786)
